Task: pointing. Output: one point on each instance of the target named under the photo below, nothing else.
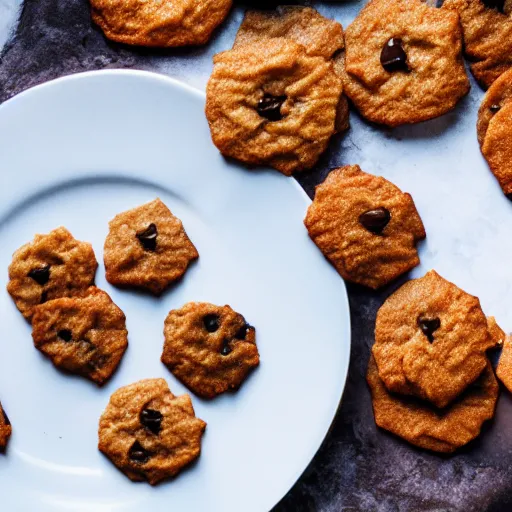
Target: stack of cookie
(431, 381)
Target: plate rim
(201, 95)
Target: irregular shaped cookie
(431, 339)
(504, 368)
(270, 103)
(422, 425)
(84, 335)
(366, 226)
(211, 349)
(403, 62)
(319, 35)
(5, 429)
(497, 147)
(149, 433)
(497, 333)
(159, 23)
(495, 98)
(147, 247)
(51, 266)
(487, 29)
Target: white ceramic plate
(77, 151)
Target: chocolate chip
(44, 297)
(40, 275)
(375, 220)
(393, 56)
(6, 418)
(494, 108)
(147, 238)
(269, 107)
(226, 349)
(65, 335)
(428, 326)
(211, 322)
(242, 332)
(138, 453)
(499, 5)
(151, 419)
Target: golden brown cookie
(504, 368)
(160, 23)
(487, 29)
(84, 335)
(149, 433)
(147, 247)
(366, 226)
(270, 103)
(495, 98)
(431, 339)
(403, 62)
(422, 425)
(211, 349)
(319, 35)
(497, 333)
(51, 266)
(5, 429)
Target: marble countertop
(467, 219)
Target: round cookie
(504, 368)
(83, 335)
(431, 339)
(403, 62)
(432, 429)
(149, 433)
(159, 23)
(366, 226)
(319, 35)
(148, 248)
(211, 349)
(270, 103)
(51, 266)
(487, 30)
(494, 100)
(5, 429)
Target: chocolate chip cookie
(366, 226)
(159, 22)
(148, 248)
(5, 429)
(403, 62)
(431, 339)
(319, 35)
(83, 335)
(504, 368)
(51, 266)
(149, 433)
(209, 348)
(495, 130)
(433, 429)
(270, 103)
(487, 29)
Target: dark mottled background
(358, 467)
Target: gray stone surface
(358, 467)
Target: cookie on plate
(504, 368)
(83, 335)
(431, 339)
(319, 35)
(211, 349)
(495, 130)
(147, 247)
(270, 103)
(403, 62)
(149, 433)
(426, 427)
(366, 226)
(159, 23)
(487, 29)
(51, 266)
(5, 429)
